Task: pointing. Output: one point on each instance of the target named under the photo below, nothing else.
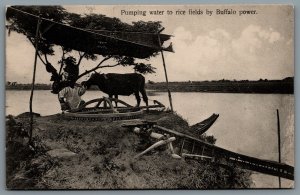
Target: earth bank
(71, 154)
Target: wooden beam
(165, 70)
(279, 145)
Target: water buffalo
(119, 84)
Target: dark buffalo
(119, 84)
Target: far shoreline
(284, 86)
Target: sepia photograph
(170, 97)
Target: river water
(247, 122)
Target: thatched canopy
(103, 42)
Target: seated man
(69, 97)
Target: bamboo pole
(33, 78)
(279, 145)
(165, 70)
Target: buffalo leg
(110, 96)
(145, 98)
(116, 96)
(138, 99)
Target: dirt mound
(104, 154)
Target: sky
(207, 47)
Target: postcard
(150, 97)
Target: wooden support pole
(165, 70)
(33, 77)
(279, 145)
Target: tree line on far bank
(284, 86)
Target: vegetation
(71, 55)
(285, 86)
(103, 158)
(20, 86)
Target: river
(247, 122)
